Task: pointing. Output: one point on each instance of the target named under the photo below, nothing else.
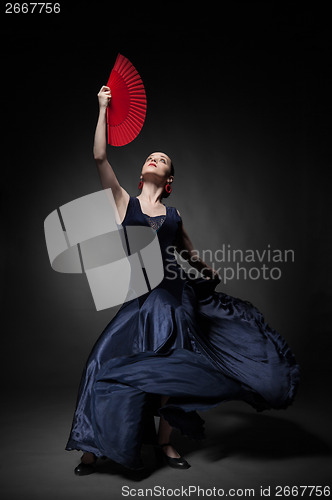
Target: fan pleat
(140, 110)
(134, 121)
(138, 103)
(127, 111)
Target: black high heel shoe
(83, 469)
(176, 463)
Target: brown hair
(165, 194)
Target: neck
(151, 193)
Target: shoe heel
(159, 455)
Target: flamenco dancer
(180, 348)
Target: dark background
(238, 97)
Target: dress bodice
(167, 226)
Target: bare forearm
(192, 257)
(197, 263)
(186, 250)
(106, 174)
(99, 147)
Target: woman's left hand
(210, 273)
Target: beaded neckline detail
(155, 221)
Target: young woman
(180, 348)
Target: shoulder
(177, 212)
(178, 216)
(174, 210)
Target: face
(158, 163)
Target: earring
(168, 188)
(140, 185)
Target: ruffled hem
(216, 319)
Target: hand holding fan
(127, 109)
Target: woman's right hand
(104, 97)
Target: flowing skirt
(197, 346)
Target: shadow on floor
(261, 436)
(234, 433)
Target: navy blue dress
(181, 339)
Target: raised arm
(106, 173)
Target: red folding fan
(127, 109)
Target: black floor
(243, 450)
